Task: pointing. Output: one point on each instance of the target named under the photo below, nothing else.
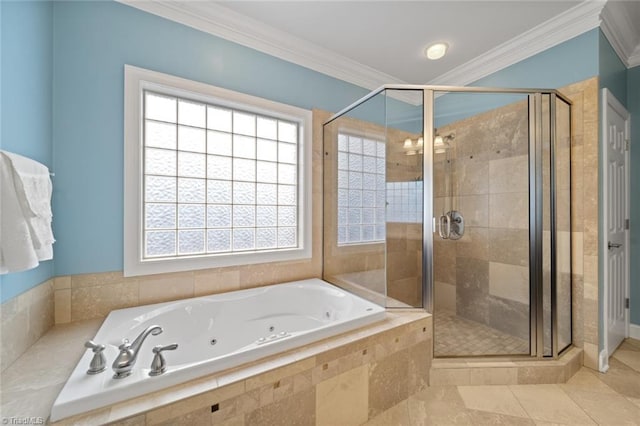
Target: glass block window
(216, 179)
(361, 190)
(404, 202)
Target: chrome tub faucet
(128, 355)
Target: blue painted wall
(613, 72)
(569, 62)
(92, 42)
(26, 34)
(633, 105)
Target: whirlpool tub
(213, 333)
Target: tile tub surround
(318, 383)
(24, 319)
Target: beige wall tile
(419, 366)
(62, 282)
(472, 176)
(591, 355)
(449, 376)
(91, 280)
(24, 319)
(577, 255)
(62, 303)
(197, 417)
(41, 311)
(444, 267)
(205, 400)
(476, 210)
(541, 375)
(509, 174)
(343, 399)
(591, 269)
(591, 318)
(493, 376)
(276, 374)
(509, 282)
(165, 287)
(509, 246)
(15, 336)
(211, 282)
(298, 409)
(474, 243)
(445, 296)
(388, 382)
(509, 210)
(98, 301)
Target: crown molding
(569, 24)
(225, 23)
(621, 32)
(634, 59)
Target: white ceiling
(389, 36)
(371, 42)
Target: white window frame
(136, 81)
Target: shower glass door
(482, 224)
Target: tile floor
(588, 398)
(457, 336)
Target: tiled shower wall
(584, 215)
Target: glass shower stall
(456, 200)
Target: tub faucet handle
(98, 362)
(159, 364)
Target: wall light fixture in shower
(413, 147)
(441, 143)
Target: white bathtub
(246, 325)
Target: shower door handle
(447, 220)
(614, 245)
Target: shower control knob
(98, 362)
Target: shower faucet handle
(99, 361)
(447, 220)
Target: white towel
(25, 213)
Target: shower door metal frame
(427, 200)
(536, 199)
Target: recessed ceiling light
(436, 51)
